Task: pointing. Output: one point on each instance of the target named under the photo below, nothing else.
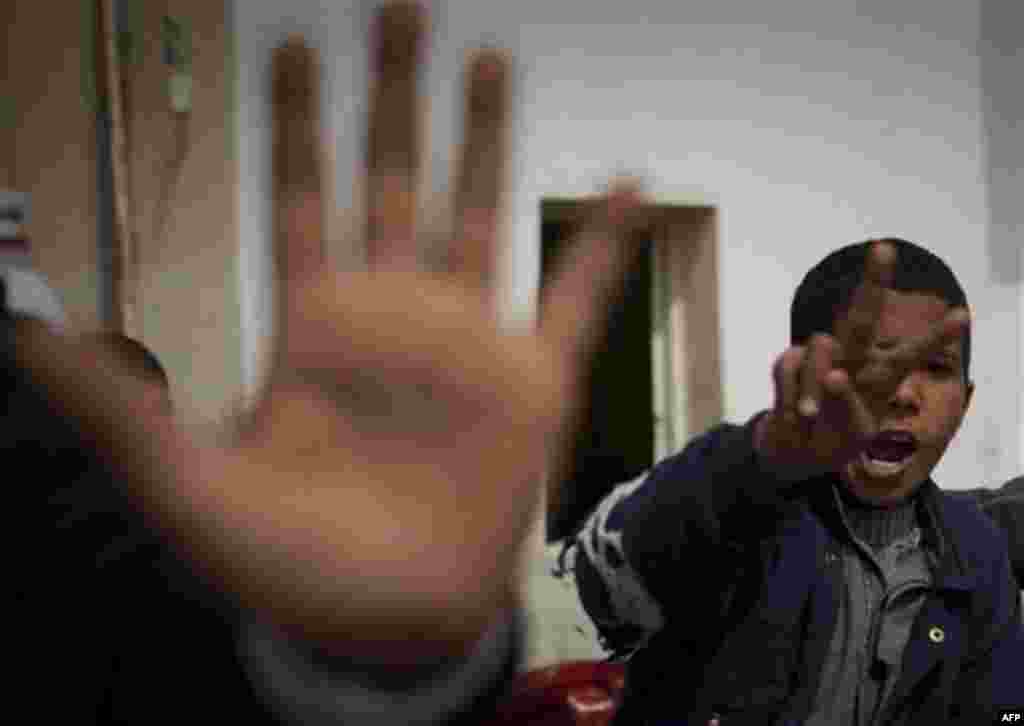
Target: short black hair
(133, 354)
(826, 291)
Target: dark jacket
(1006, 506)
(743, 571)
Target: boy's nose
(907, 396)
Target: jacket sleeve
(634, 554)
(1007, 510)
(991, 678)
(303, 687)
(1005, 506)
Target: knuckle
(824, 346)
(791, 360)
(819, 340)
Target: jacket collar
(938, 537)
(951, 572)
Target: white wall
(810, 123)
(1002, 67)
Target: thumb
(847, 410)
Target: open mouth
(888, 453)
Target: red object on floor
(577, 693)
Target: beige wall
(53, 151)
(184, 178)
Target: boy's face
(920, 418)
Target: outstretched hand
(828, 391)
(382, 488)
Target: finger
(392, 160)
(592, 272)
(856, 329)
(950, 329)
(845, 407)
(297, 169)
(786, 375)
(818, 361)
(481, 169)
(885, 369)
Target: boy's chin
(880, 485)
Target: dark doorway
(615, 441)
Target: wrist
(417, 640)
(773, 454)
(765, 439)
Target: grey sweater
(888, 575)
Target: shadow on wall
(1002, 66)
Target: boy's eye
(941, 367)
